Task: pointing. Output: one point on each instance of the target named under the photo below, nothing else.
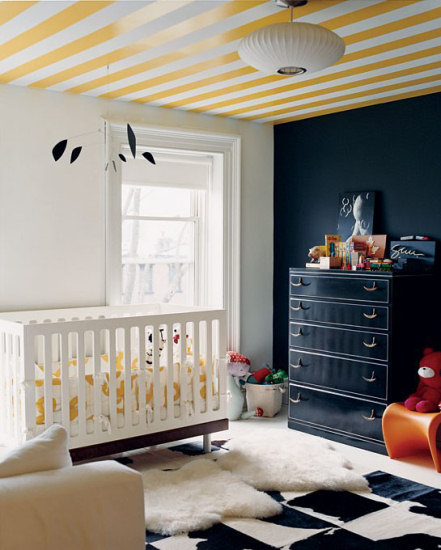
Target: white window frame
(229, 147)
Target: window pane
(158, 262)
(156, 201)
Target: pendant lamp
(291, 48)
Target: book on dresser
(355, 339)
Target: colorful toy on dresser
(358, 252)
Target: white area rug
(197, 496)
(200, 492)
(284, 462)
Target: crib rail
(11, 382)
(108, 378)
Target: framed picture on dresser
(355, 213)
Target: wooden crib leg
(206, 443)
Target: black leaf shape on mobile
(148, 156)
(58, 150)
(75, 154)
(114, 165)
(122, 157)
(132, 140)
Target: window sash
(199, 265)
(143, 259)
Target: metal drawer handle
(372, 315)
(298, 334)
(300, 283)
(298, 365)
(371, 288)
(371, 379)
(373, 344)
(299, 398)
(369, 418)
(297, 308)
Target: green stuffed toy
(276, 377)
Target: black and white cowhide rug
(284, 500)
(231, 483)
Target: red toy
(427, 398)
(259, 376)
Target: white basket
(268, 398)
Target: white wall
(52, 225)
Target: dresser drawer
(356, 343)
(338, 313)
(348, 375)
(345, 288)
(345, 414)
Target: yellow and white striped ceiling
(183, 54)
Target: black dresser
(355, 339)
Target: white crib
(116, 377)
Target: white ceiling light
(291, 48)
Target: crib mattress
(103, 380)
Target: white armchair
(95, 506)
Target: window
(173, 227)
(163, 232)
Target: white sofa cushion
(47, 451)
(96, 506)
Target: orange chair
(406, 432)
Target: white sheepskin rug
(284, 461)
(197, 496)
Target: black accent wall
(393, 149)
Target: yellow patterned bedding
(103, 379)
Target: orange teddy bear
(427, 398)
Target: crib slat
(209, 368)
(127, 379)
(141, 375)
(6, 383)
(3, 382)
(22, 388)
(183, 374)
(29, 409)
(112, 379)
(17, 378)
(11, 378)
(96, 381)
(9, 375)
(157, 397)
(65, 404)
(5, 374)
(222, 371)
(81, 384)
(196, 369)
(170, 372)
(48, 374)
